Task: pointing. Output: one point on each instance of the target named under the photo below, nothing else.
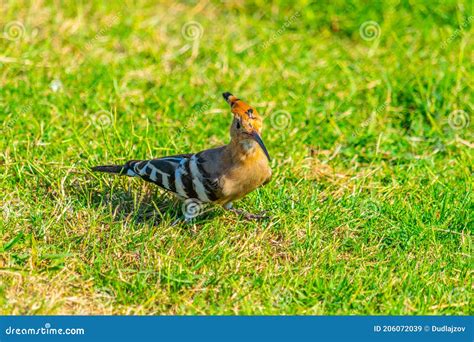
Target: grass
(371, 198)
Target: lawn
(367, 110)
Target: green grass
(371, 198)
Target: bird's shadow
(147, 204)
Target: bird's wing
(183, 174)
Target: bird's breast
(244, 178)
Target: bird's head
(246, 127)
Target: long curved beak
(259, 140)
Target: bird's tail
(126, 169)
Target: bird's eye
(237, 125)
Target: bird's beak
(259, 140)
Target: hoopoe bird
(219, 175)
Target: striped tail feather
(109, 168)
(126, 169)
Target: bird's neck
(244, 150)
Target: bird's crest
(247, 122)
(244, 113)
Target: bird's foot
(249, 216)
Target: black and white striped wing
(183, 175)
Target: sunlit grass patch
(369, 127)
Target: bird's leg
(245, 214)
